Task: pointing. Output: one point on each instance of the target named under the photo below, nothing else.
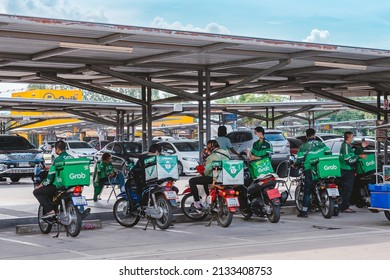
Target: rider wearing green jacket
(348, 159)
(45, 191)
(308, 153)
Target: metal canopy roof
(189, 65)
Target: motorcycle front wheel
(327, 204)
(74, 227)
(247, 213)
(188, 208)
(274, 216)
(44, 226)
(124, 214)
(224, 216)
(299, 197)
(165, 221)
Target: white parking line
(20, 242)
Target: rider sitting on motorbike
(309, 152)
(217, 154)
(45, 191)
(106, 175)
(139, 169)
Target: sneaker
(302, 215)
(349, 210)
(198, 205)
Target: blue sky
(358, 23)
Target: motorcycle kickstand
(146, 226)
(211, 220)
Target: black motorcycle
(360, 193)
(155, 203)
(325, 196)
(66, 204)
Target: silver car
(243, 140)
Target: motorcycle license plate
(170, 194)
(232, 202)
(79, 201)
(333, 192)
(273, 193)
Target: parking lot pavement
(18, 206)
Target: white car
(187, 152)
(78, 149)
(242, 140)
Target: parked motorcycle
(221, 203)
(360, 193)
(155, 204)
(264, 199)
(39, 171)
(68, 202)
(325, 196)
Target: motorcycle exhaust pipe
(339, 200)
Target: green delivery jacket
(349, 156)
(311, 151)
(102, 170)
(262, 149)
(52, 171)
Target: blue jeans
(118, 179)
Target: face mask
(353, 141)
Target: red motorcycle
(221, 203)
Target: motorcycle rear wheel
(188, 208)
(123, 214)
(274, 216)
(387, 214)
(74, 228)
(44, 226)
(247, 213)
(165, 221)
(224, 216)
(327, 204)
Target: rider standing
(309, 152)
(348, 160)
(261, 148)
(45, 191)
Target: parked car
(121, 151)
(187, 153)
(294, 145)
(17, 157)
(47, 146)
(243, 140)
(335, 144)
(319, 136)
(78, 149)
(98, 145)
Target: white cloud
(212, 27)
(62, 9)
(318, 36)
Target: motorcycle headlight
(4, 157)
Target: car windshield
(132, 148)
(79, 145)
(274, 137)
(14, 143)
(187, 146)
